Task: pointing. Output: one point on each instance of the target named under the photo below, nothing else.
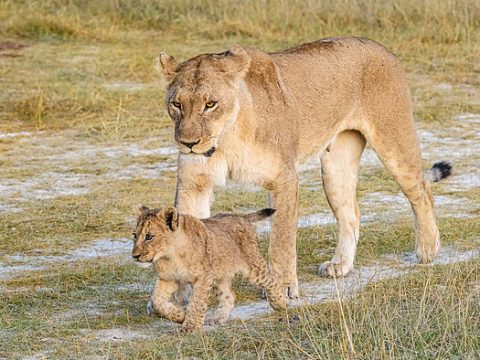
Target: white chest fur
(244, 163)
(249, 164)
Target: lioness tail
(259, 215)
(439, 171)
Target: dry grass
(433, 314)
(86, 92)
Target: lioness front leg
(161, 301)
(194, 193)
(282, 250)
(197, 307)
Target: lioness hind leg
(410, 179)
(161, 303)
(226, 302)
(340, 165)
(393, 137)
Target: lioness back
(329, 82)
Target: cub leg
(340, 166)
(160, 301)
(259, 275)
(197, 307)
(282, 249)
(226, 302)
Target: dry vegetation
(84, 136)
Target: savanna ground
(84, 136)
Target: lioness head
(154, 233)
(202, 97)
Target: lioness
(204, 253)
(253, 117)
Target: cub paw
(277, 299)
(334, 269)
(279, 304)
(188, 327)
(217, 320)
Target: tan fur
(276, 109)
(206, 254)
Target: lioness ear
(140, 209)
(168, 64)
(170, 216)
(236, 61)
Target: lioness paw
(293, 292)
(427, 250)
(334, 269)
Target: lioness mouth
(209, 152)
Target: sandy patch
(15, 265)
(4, 135)
(62, 178)
(325, 290)
(119, 334)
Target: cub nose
(189, 144)
(136, 257)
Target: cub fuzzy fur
(206, 254)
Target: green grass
(86, 83)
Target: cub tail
(439, 171)
(259, 215)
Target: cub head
(154, 233)
(202, 97)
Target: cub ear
(236, 61)
(168, 64)
(140, 210)
(170, 216)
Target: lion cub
(206, 254)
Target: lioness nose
(191, 144)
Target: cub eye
(149, 237)
(210, 105)
(176, 104)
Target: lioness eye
(149, 237)
(176, 105)
(210, 105)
